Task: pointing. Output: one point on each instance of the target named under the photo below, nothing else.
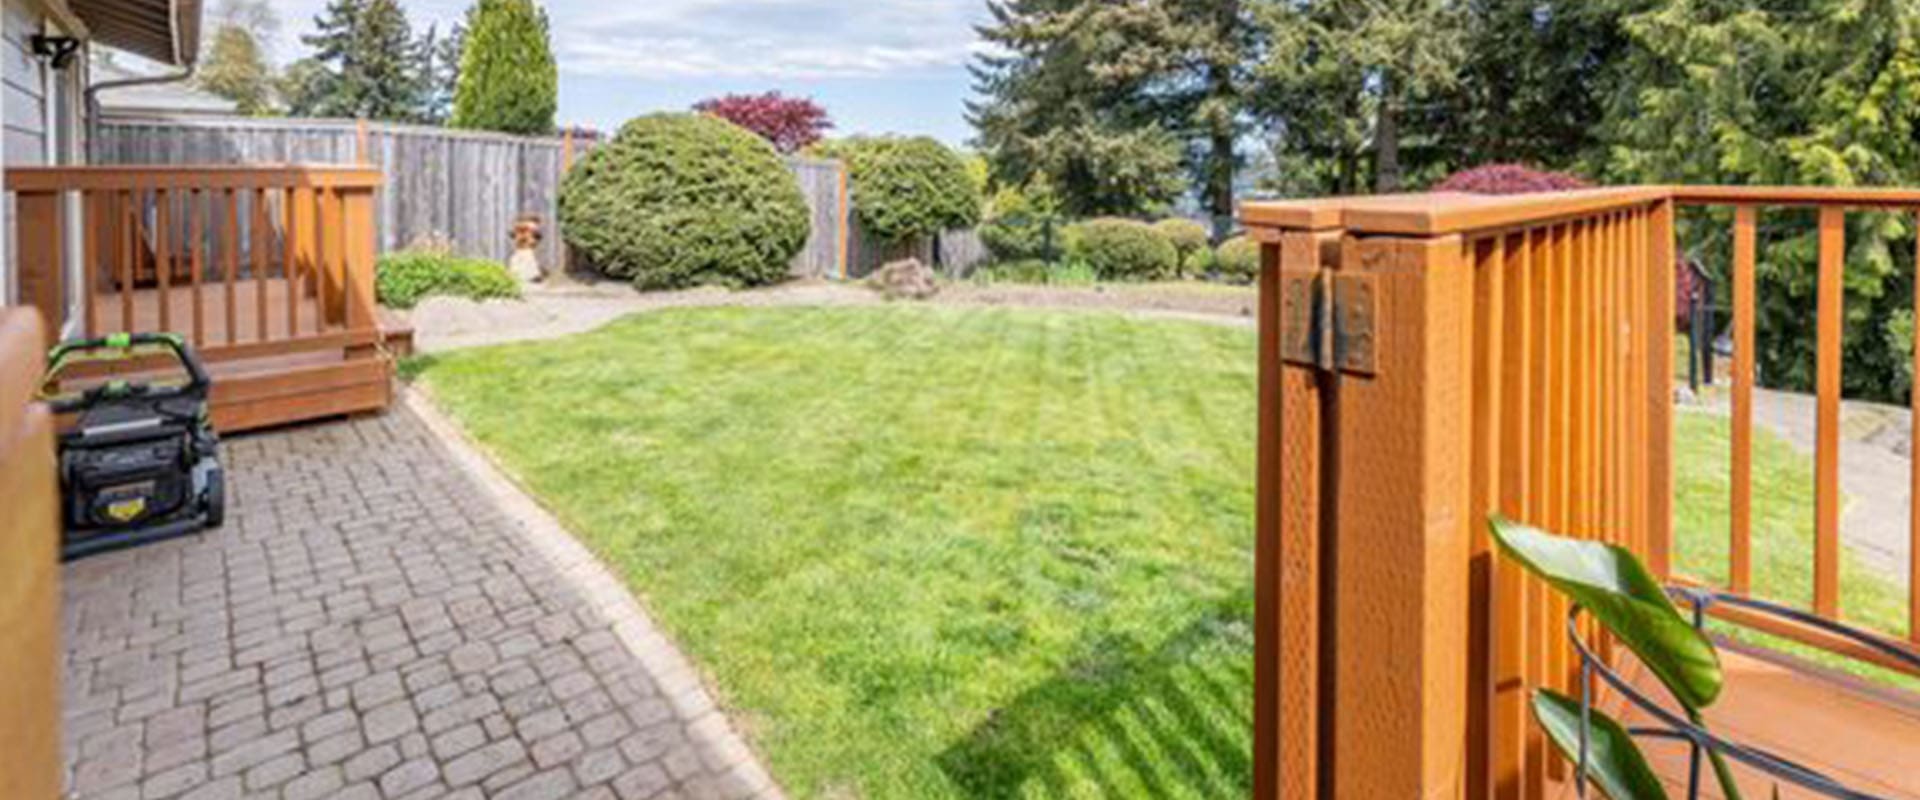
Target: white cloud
(667, 39)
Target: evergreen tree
(1342, 80)
(1045, 118)
(368, 64)
(1800, 92)
(441, 65)
(508, 81)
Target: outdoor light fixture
(58, 50)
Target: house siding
(23, 80)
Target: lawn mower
(140, 462)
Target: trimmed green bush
(1186, 235)
(508, 80)
(679, 200)
(1238, 259)
(1122, 250)
(907, 188)
(1198, 263)
(402, 279)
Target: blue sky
(878, 66)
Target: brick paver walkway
(371, 623)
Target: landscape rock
(906, 279)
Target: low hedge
(401, 280)
(1122, 250)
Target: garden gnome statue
(525, 264)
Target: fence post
(1364, 531)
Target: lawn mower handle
(173, 342)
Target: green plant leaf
(1610, 584)
(1614, 762)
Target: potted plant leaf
(1609, 583)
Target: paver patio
(378, 619)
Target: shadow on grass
(1126, 719)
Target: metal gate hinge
(1327, 320)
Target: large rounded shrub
(906, 188)
(1122, 250)
(1238, 259)
(680, 200)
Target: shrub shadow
(1123, 718)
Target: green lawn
(946, 552)
(925, 552)
(1782, 544)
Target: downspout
(92, 96)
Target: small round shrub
(402, 279)
(906, 188)
(1186, 235)
(680, 200)
(1197, 263)
(1122, 250)
(1238, 259)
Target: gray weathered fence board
(472, 186)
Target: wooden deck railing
(246, 262)
(1428, 360)
(29, 569)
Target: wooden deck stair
(267, 271)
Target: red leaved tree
(790, 123)
(1508, 179)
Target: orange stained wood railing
(29, 570)
(267, 270)
(1429, 360)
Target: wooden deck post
(1400, 529)
(30, 569)
(1287, 564)
(1364, 528)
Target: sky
(878, 66)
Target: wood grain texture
(1740, 492)
(1400, 538)
(1826, 458)
(1287, 675)
(1658, 460)
(30, 742)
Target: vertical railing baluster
(124, 266)
(1539, 495)
(261, 244)
(295, 227)
(90, 220)
(1658, 452)
(1511, 635)
(230, 261)
(1826, 499)
(1739, 558)
(196, 232)
(163, 254)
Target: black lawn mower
(141, 462)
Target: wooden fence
(472, 186)
(1430, 360)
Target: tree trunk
(1221, 158)
(1386, 141)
